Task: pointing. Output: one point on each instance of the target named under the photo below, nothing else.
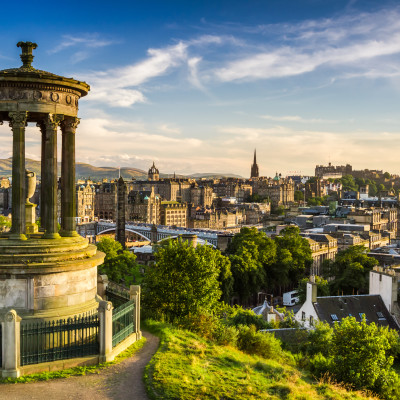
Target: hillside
(189, 367)
(84, 171)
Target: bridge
(144, 231)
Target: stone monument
(51, 274)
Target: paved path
(123, 381)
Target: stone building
(379, 220)
(85, 202)
(173, 213)
(201, 195)
(279, 190)
(323, 247)
(331, 171)
(105, 201)
(144, 206)
(154, 174)
(4, 183)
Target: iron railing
(123, 322)
(59, 340)
(117, 294)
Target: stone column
(11, 345)
(105, 317)
(120, 226)
(42, 128)
(17, 123)
(49, 180)
(134, 293)
(68, 192)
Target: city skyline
(197, 87)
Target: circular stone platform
(48, 279)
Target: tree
(298, 195)
(119, 265)
(349, 183)
(349, 272)
(363, 355)
(386, 175)
(251, 253)
(5, 223)
(293, 258)
(184, 280)
(322, 288)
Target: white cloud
(87, 40)
(114, 86)
(295, 118)
(347, 41)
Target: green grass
(66, 373)
(188, 367)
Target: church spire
(254, 168)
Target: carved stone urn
(30, 185)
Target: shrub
(248, 317)
(262, 344)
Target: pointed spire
(255, 158)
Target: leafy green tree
(317, 201)
(349, 272)
(298, 195)
(381, 188)
(251, 253)
(322, 288)
(349, 183)
(293, 258)
(363, 356)
(386, 175)
(119, 265)
(183, 282)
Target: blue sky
(196, 86)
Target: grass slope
(188, 367)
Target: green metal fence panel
(117, 294)
(123, 322)
(59, 340)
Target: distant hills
(84, 171)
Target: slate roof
(335, 308)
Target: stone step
(41, 246)
(45, 258)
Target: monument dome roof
(26, 74)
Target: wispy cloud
(87, 40)
(295, 118)
(114, 86)
(85, 45)
(347, 41)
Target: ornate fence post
(11, 345)
(106, 332)
(134, 293)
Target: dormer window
(334, 317)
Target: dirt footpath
(123, 381)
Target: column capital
(70, 124)
(18, 119)
(52, 121)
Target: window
(334, 317)
(303, 316)
(362, 315)
(311, 320)
(380, 315)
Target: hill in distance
(84, 171)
